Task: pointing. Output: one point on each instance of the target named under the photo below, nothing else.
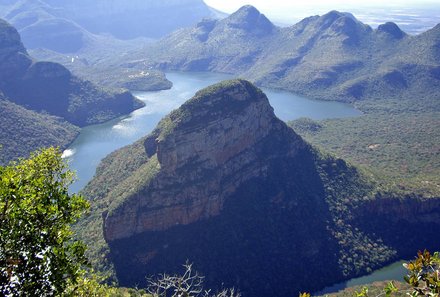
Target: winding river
(97, 141)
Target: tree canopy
(38, 254)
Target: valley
(277, 159)
(97, 141)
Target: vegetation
(329, 57)
(424, 274)
(41, 102)
(189, 284)
(113, 169)
(423, 279)
(38, 255)
(23, 131)
(399, 146)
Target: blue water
(97, 141)
(395, 271)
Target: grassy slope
(397, 141)
(113, 169)
(23, 131)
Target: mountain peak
(391, 29)
(14, 59)
(250, 19)
(333, 16)
(9, 37)
(213, 108)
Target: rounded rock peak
(9, 36)
(228, 90)
(49, 70)
(391, 29)
(250, 19)
(248, 9)
(224, 100)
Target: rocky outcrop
(249, 19)
(14, 59)
(204, 134)
(243, 36)
(223, 183)
(224, 169)
(392, 29)
(411, 209)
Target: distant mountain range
(333, 56)
(49, 98)
(68, 26)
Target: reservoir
(97, 141)
(394, 271)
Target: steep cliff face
(203, 158)
(412, 223)
(223, 183)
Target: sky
(273, 5)
(415, 15)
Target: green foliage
(23, 131)
(424, 274)
(390, 289)
(362, 293)
(381, 288)
(423, 279)
(92, 285)
(396, 144)
(38, 255)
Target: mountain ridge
(330, 57)
(47, 90)
(67, 27)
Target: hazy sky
(274, 5)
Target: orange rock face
(207, 155)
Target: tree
(38, 255)
(424, 274)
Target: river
(97, 141)
(394, 271)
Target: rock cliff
(200, 148)
(223, 183)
